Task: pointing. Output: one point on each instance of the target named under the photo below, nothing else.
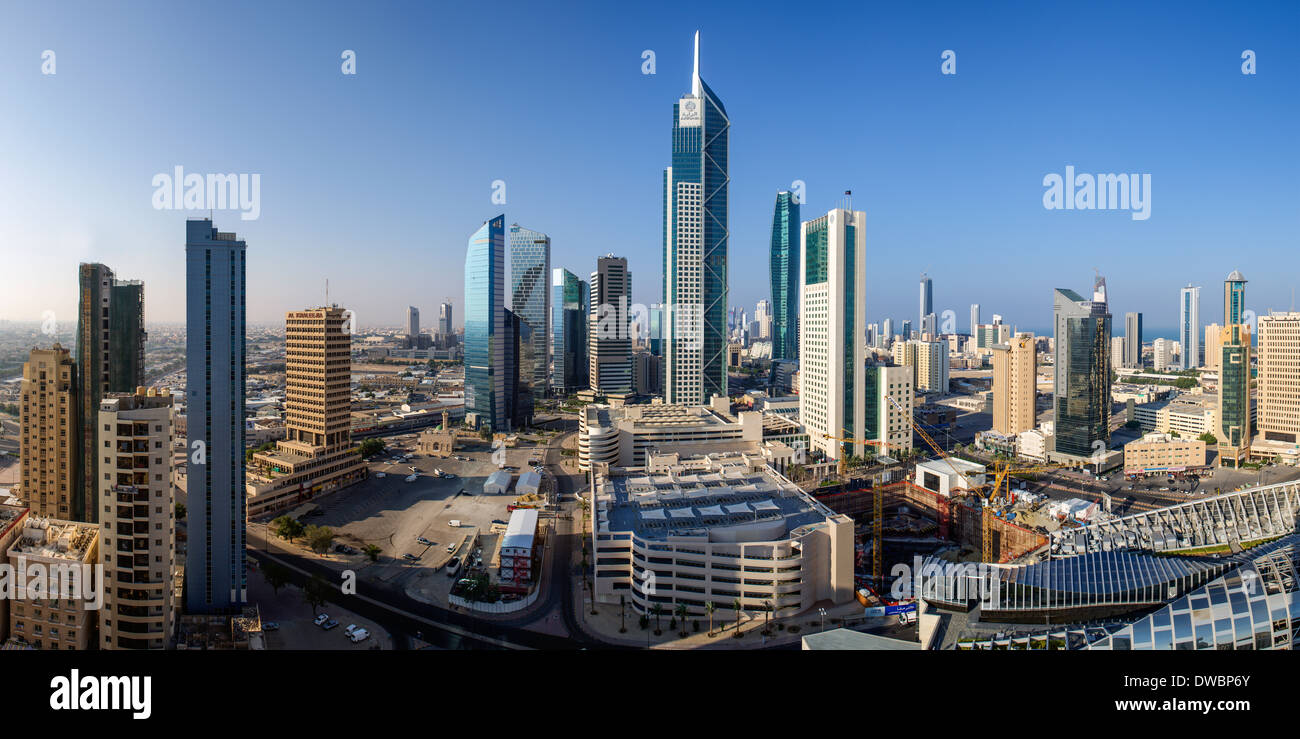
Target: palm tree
(735, 604)
(658, 611)
(681, 615)
(709, 608)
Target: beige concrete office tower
(832, 342)
(1277, 397)
(49, 446)
(316, 455)
(137, 529)
(1015, 386)
(72, 549)
(1213, 346)
(930, 362)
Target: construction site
(960, 511)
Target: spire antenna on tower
(695, 77)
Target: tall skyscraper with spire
(695, 247)
(785, 277)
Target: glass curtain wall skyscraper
(530, 269)
(110, 359)
(695, 246)
(570, 304)
(785, 277)
(926, 303)
(1081, 395)
(485, 327)
(215, 575)
(1132, 340)
(1234, 347)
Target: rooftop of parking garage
(693, 503)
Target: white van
(454, 523)
(359, 635)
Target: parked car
(449, 476)
(351, 628)
(359, 635)
(497, 520)
(270, 626)
(424, 541)
(321, 619)
(411, 557)
(330, 624)
(412, 478)
(380, 475)
(451, 547)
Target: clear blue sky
(376, 181)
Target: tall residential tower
(215, 575)
(832, 343)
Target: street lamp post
(822, 611)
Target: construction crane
(877, 508)
(1002, 474)
(986, 530)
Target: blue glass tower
(485, 327)
(530, 270)
(695, 247)
(785, 277)
(570, 301)
(215, 577)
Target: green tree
(276, 574)
(180, 511)
(319, 538)
(1209, 438)
(371, 447)
(735, 604)
(315, 593)
(372, 552)
(680, 610)
(658, 611)
(709, 608)
(287, 528)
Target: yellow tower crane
(877, 506)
